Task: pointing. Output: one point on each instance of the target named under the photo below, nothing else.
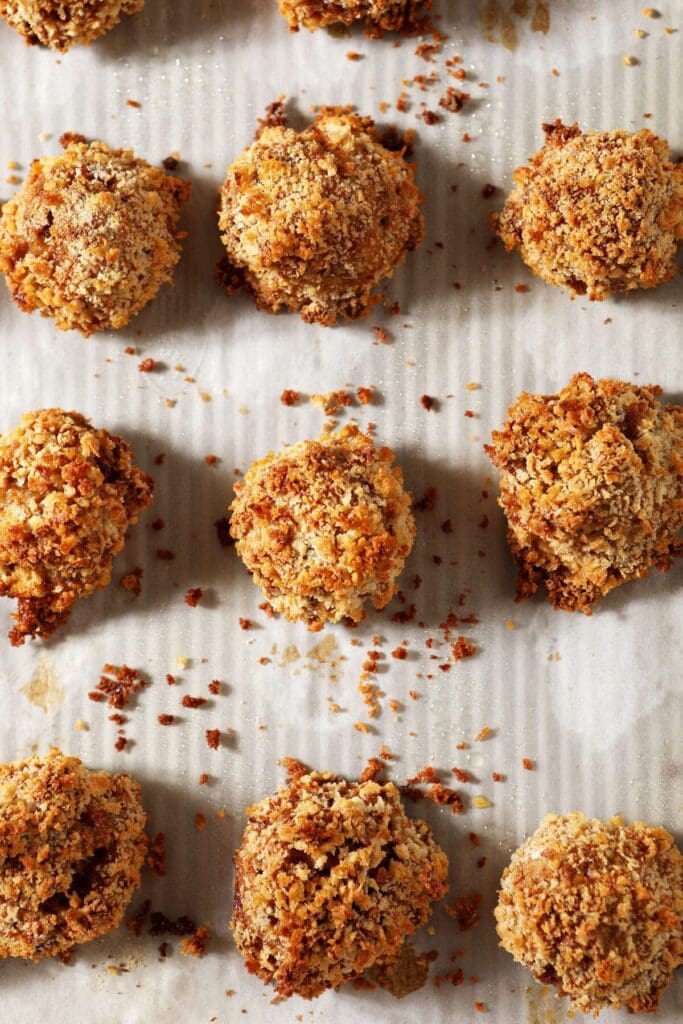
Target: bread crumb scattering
(330, 879)
(596, 213)
(91, 236)
(61, 24)
(72, 847)
(324, 526)
(592, 487)
(595, 909)
(313, 220)
(68, 494)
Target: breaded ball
(597, 212)
(330, 878)
(68, 493)
(379, 15)
(313, 220)
(72, 843)
(591, 482)
(324, 526)
(595, 908)
(91, 236)
(60, 24)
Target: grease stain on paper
(499, 20)
(44, 690)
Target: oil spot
(44, 690)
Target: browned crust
(323, 526)
(596, 909)
(591, 483)
(378, 15)
(312, 221)
(597, 212)
(68, 494)
(72, 844)
(60, 24)
(91, 236)
(330, 878)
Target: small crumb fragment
(193, 596)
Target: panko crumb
(330, 878)
(324, 526)
(91, 236)
(596, 909)
(592, 487)
(313, 220)
(68, 493)
(61, 24)
(73, 846)
(596, 213)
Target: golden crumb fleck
(324, 526)
(313, 220)
(330, 878)
(68, 494)
(596, 213)
(482, 802)
(73, 846)
(596, 909)
(91, 236)
(60, 24)
(629, 61)
(592, 486)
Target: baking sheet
(596, 703)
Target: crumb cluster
(331, 877)
(591, 483)
(68, 493)
(60, 24)
(596, 909)
(91, 236)
(597, 212)
(378, 15)
(313, 220)
(323, 526)
(72, 844)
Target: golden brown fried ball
(68, 493)
(379, 15)
(591, 483)
(72, 843)
(596, 212)
(313, 220)
(91, 236)
(330, 878)
(596, 909)
(324, 526)
(60, 24)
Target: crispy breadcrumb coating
(596, 909)
(591, 482)
(72, 843)
(596, 212)
(60, 24)
(379, 15)
(313, 220)
(68, 493)
(330, 878)
(91, 236)
(323, 526)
